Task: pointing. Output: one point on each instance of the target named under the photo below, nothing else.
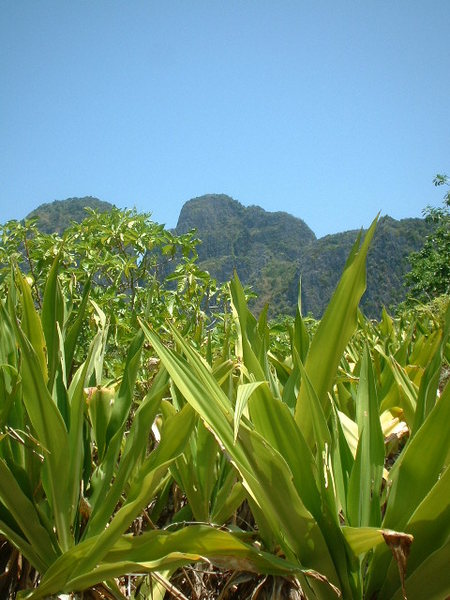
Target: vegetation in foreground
(143, 433)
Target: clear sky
(328, 109)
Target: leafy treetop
(430, 273)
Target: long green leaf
(342, 460)
(299, 336)
(363, 539)
(53, 313)
(176, 433)
(244, 391)
(52, 434)
(430, 379)
(77, 410)
(25, 514)
(250, 344)
(156, 550)
(265, 474)
(31, 324)
(335, 329)
(74, 330)
(9, 376)
(408, 391)
(430, 527)
(363, 503)
(114, 434)
(326, 512)
(136, 442)
(30, 552)
(413, 477)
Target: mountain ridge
(271, 251)
(274, 256)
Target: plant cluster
(430, 267)
(139, 436)
(126, 265)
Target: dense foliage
(126, 265)
(430, 273)
(142, 432)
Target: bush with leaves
(430, 273)
(130, 265)
(78, 465)
(310, 435)
(300, 421)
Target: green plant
(430, 271)
(77, 462)
(319, 426)
(129, 266)
(316, 502)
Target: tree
(430, 267)
(131, 267)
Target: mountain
(263, 247)
(271, 251)
(323, 262)
(54, 217)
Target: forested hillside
(323, 261)
(56, 216)
(263, 247)
(271, 251)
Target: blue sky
(330, 110)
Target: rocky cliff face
(271, 251)
(261, 246)
(227, 227)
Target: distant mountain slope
(323, 262)
(54, 217)
(270, 252)
(262, 246)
